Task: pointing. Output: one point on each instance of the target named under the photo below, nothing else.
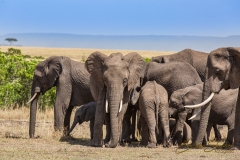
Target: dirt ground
(16, 144)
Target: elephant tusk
(194, 116)
(106, 104)
(32, 98)
(120, 108)
(201, 104)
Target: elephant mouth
(107, 109)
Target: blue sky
(121, 17)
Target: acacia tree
(10, 40)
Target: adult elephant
(72, 83)
(112, 80)
(174, 76)
(196, 59)
(222, 72)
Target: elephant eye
(125, 81)
(217, 71)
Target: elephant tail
(157, 104)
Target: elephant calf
(153, 103)
(85, 113)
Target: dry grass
(15, 143)
(78, 54)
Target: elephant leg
(92, 127)
(134, 111)
(145, 132)
(195, 125)
(230, 122)
(151, 123)
(218, 136)
(61, 106)
(163, 116)
(126, 130)
(139, 127)
(178, 133)
(209, 128)
(100, 113)
(67, 119)
(108, 128)
(160, 135)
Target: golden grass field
(76, 54)
(16, 144)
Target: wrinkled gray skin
(187, 131)
(196, 59)
(72, 83)
(112, 78)
(153, 105)
(222, 110)
(173, 76)
(222, 72)
(85, 113)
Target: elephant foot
(151, 145)
(227, 144)
(110, 145)
(96, 143)
(168, 144)
(143, 143)
(134, 140)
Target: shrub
(16, 76)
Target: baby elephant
(85, 113)
(153, 105)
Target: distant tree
(10, 40)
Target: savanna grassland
(16, 144)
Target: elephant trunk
(33, 110)
(114, 106)
(73, 126)
(204, 114)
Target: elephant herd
(198, 86)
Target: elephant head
(114, 76)
(45, 76)
(222, 72)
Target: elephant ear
(192, 97)
(136, 68)
(234, 59)
(53, 69)
(157, 59)
(94, 65)
(135, 95)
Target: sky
(121, 17)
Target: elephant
(196, 59)
(111, 83)
(72, 83)
(173, 76)
(222, 72)
(153, 105)
(222, 110)
(187, 131)
(85, 113)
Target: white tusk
(194, 116)
(32, 98)
(120, 108)
(201, 104)
(106, 104)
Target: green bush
(16, 76)
(147, 59)
(39, 57)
